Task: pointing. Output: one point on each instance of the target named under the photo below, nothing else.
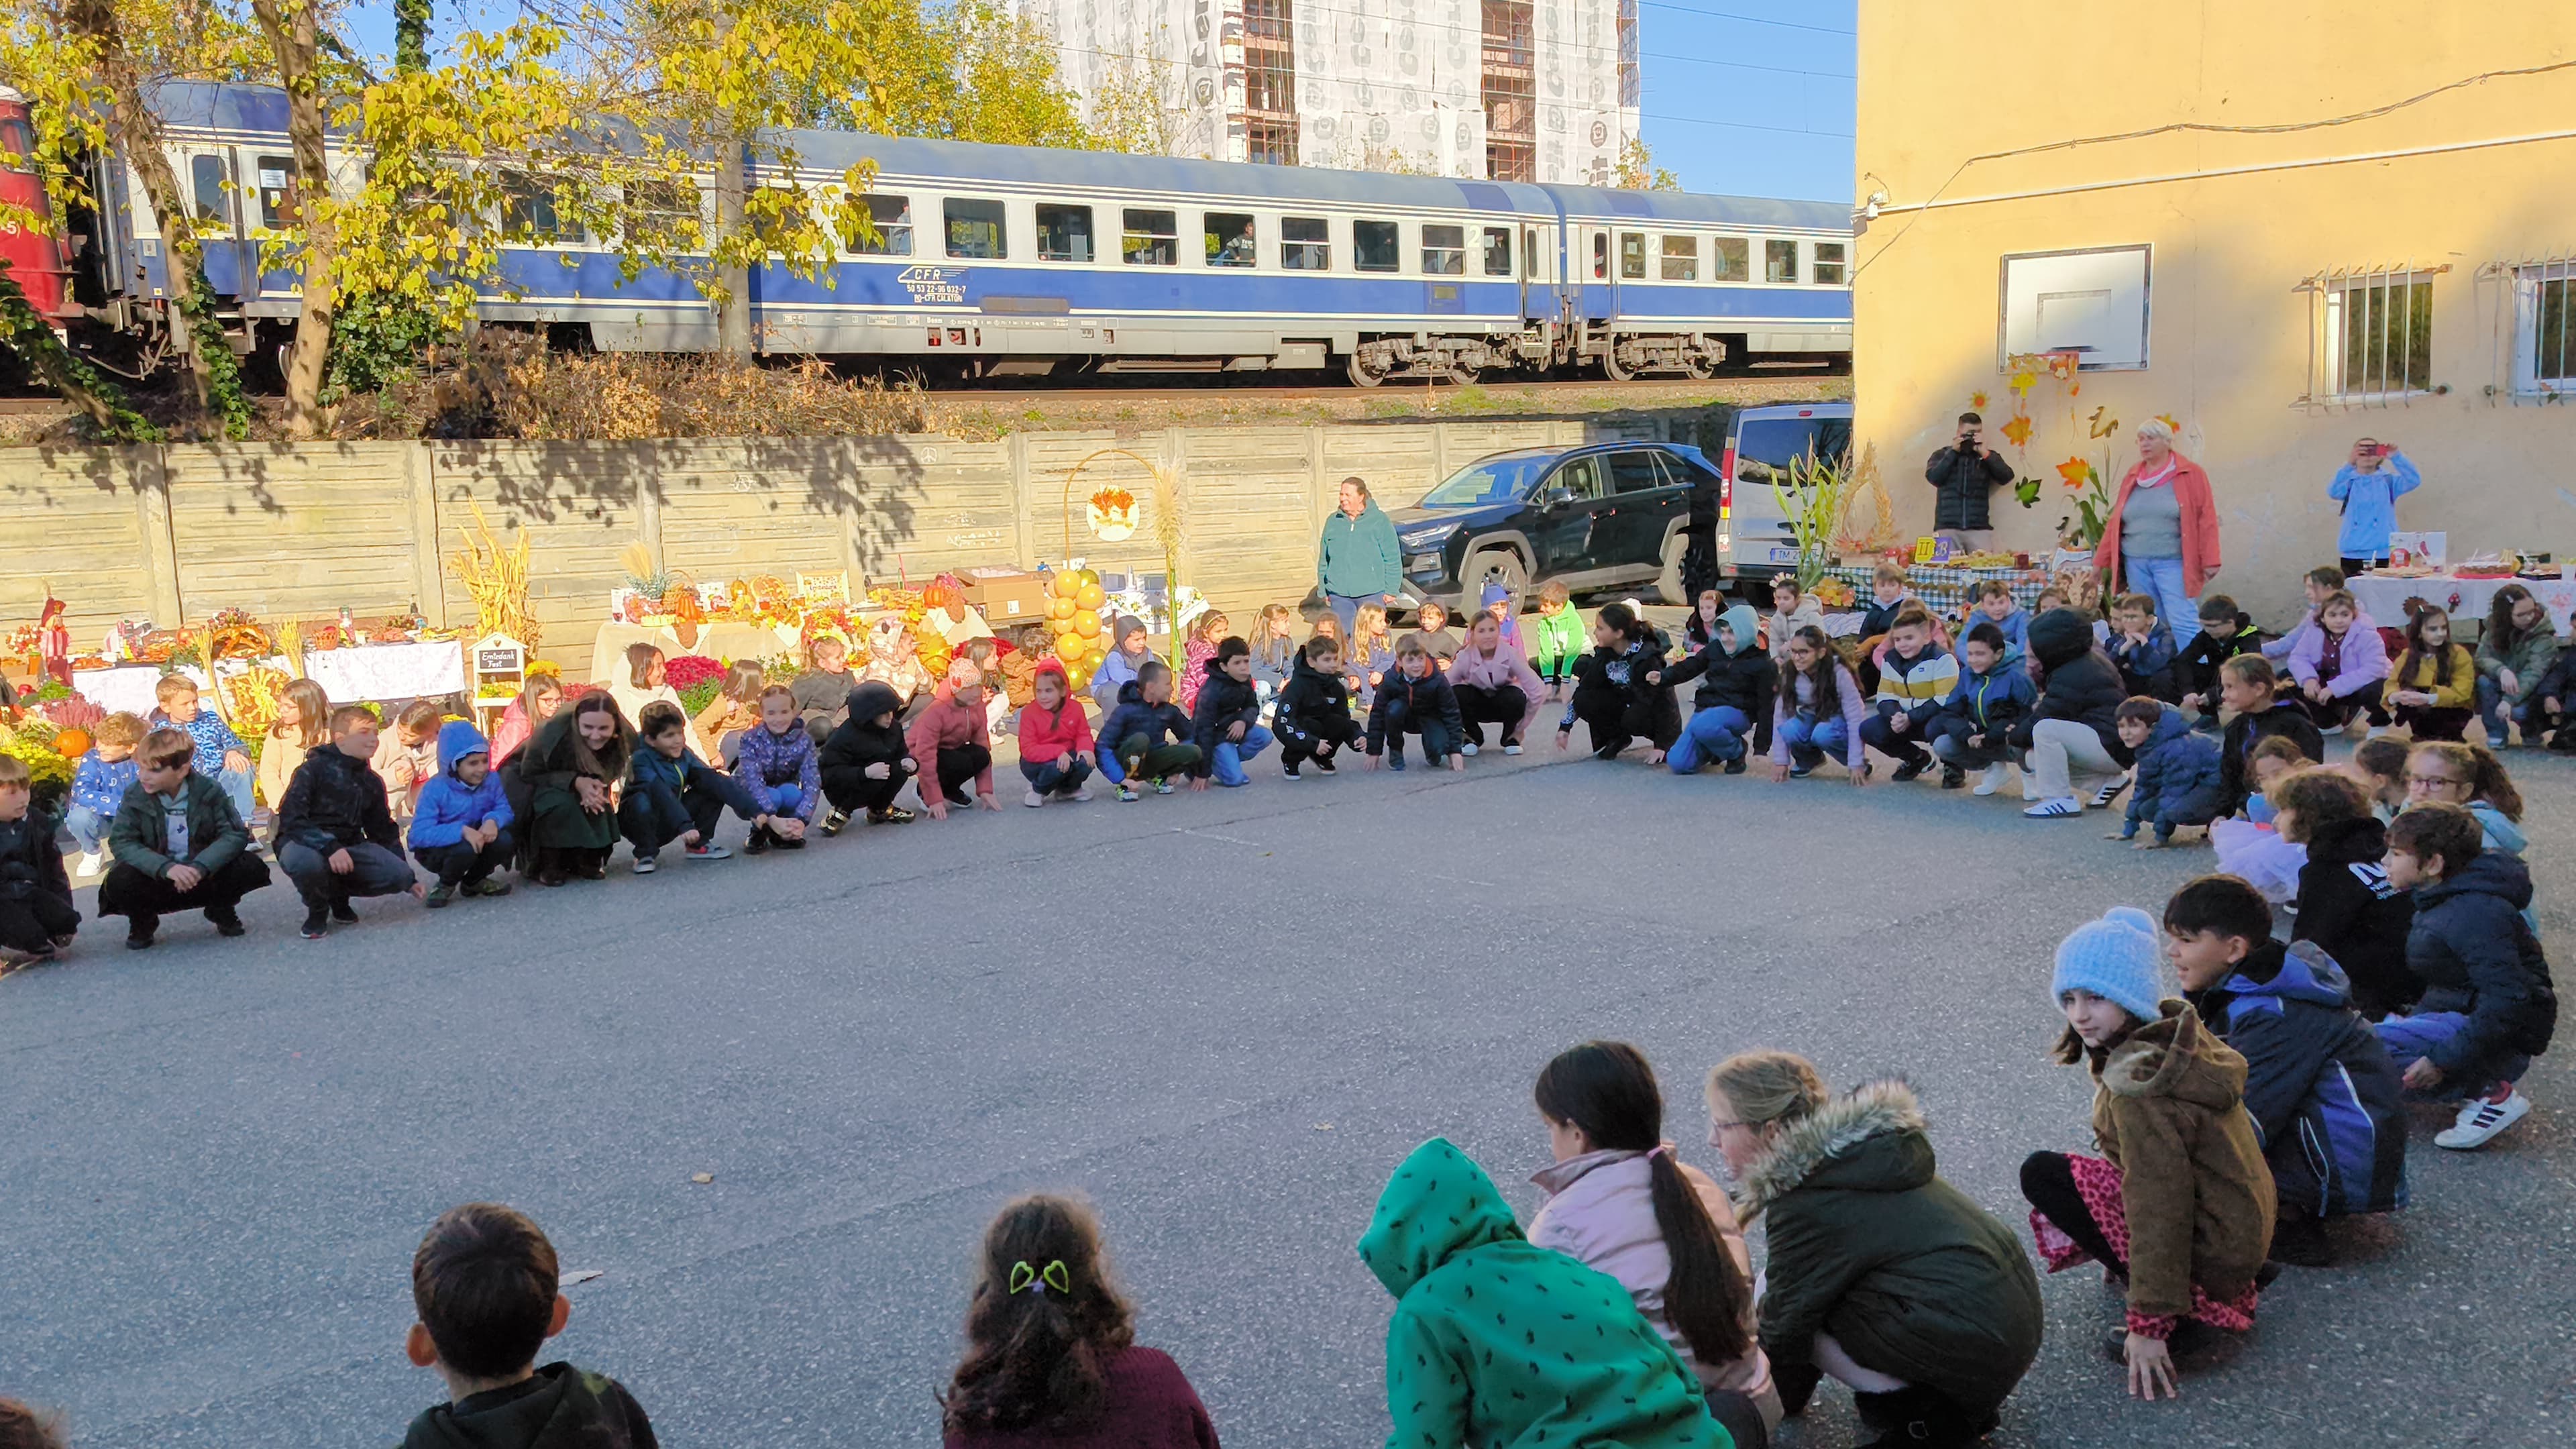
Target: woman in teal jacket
(1358, 560)
(1498, 1342)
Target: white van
(1753, 537)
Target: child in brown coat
(2181, 1203)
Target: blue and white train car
(1008, 260)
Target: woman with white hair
(2162, 536)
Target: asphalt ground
(1224, 1017)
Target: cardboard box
(1006, 596)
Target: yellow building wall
(2493, 179)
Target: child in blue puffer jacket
(1974, 727)
(2179, 780)
(460, 826)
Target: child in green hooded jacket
(1498, 1342)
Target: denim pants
(2409, 1038)
(88, 827)
(1049, 778)
(1712, 735)
(1810, 741)
(1437, 746)
(2492, 708)
(1226, 761)
(374, 871)
(2162, 580)
(1346, 607)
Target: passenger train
(1022, 261)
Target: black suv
(1595, 517)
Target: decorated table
(127, 688)
(388, 671)
(1945, 589)
(2383, 596)
(722, 640)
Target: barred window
(2370, 335)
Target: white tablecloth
(388, 671)
(726, 640)
(129, 688)
(2384, 596)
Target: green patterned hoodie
(1500, 1344)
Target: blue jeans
(2162, 580)
(1227, 762)
(1346, 607)
(2492, 709)
(88, 827)
(1711, 735)
(2409, 1038)
(237, 788)
(1048, 777)
(1810, 743)
(1436, 743)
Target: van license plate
(1784, 555)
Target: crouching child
(1143, 741)
(179, 844)
(671, 794)
(1416, 698)
(2321, 1088)
(336, 837)
(2178, 780)
(460, 826)
(37, 917)
(866, 761)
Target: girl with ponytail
(1051, 1357)
(1619, 1201)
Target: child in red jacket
(953, 744)
(1055, 740)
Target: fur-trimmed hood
(2175, 1055)
(1871, 1139)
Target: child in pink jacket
(1494, 684)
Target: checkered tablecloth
(1947, 590)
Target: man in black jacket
(1966, 473)
(335, 832)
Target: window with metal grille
(2370, 335)
(1681, 259)
(2545, 327)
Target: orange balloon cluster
(1079, 637)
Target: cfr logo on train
(934, 284)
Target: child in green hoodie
(1498, 1342)
(484, 1281)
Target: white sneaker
(2057, 809)
(1033, 800)
(1083, 794)
(2481, 1118)
(2333, 729)
(645, 865)
(1989, 780)
(1468, 748)
(87, 865)
(1511, 749)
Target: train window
(1064, 233)
(1498, 251)
(1829, 264)
(663, 211)
(975, 229)
(1600, 255)
(1444, 251)
(1153, 238)
(277, 193)
(1730, 259)
(1779, 261)
(1374, 247)
(528, 210)
(1529, 252)
(1230, 239)
(1305, 244)
(890, 217)
(206, 178)
(1632, 254)
(18, 139)
(1681, 259)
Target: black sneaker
(1289, 769)
(833, 821)
(784, 843)
(1910, 770)
(440, 895)
(487, 887)
(1395, 760)
(1735, 766)
(1953, 776)
(2110, 792)
(225, 920)
(758, 844)
(891, 815)
(343, 911)
(1325, 764)
(1800, 772)
(139, 931)
(317, 924)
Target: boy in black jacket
(865, 760)
(37, 918)
(1225, 720)
(2345, 903)
(2319, 1085)
(1312, 714)
(336, 836)
(484, 1282)
(1416, 697)
(2245, 684)
(1615, 693)
(2225, 632)
(1131, 744)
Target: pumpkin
(72, 744)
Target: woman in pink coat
(1495, 685)
(2162, 536)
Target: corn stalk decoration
(497, 578)
(1811, 499)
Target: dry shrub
(506, 385)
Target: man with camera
(1966, 473)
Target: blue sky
(1748, 97)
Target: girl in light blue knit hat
(2180, 1203)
